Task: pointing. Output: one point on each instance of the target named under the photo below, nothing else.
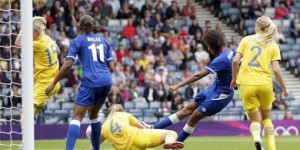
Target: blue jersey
(94, 54)
(222, 66)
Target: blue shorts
(211, 102)
(92, 96)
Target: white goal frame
(27, 75)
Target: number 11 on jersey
(94, 49)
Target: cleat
(258, 145)
(175, 145)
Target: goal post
(27, 75)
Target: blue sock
(96, 133)
(173, 119)
(73, 133)
(185, 133)
(182, 136)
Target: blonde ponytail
(39, 23)
(267, 30)
(115, 108)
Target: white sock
(95, 120)
(188, 129)
(75, 122)
(174, 119)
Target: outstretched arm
(190, 80)
(64, 69)
(135, 123)
(139, 125)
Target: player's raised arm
(216, 65)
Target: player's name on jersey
(93, 39)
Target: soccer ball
(88, 131)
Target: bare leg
(196, 116)
(93, 111)
(78, 112)
(187, 111)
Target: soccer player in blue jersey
(211, 100)
(96, 60)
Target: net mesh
(10, 75)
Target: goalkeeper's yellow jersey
(46, 64)
(256, 60)
(119, 129)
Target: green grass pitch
(192, 143)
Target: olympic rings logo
(280, 130)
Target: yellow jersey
(256, 59)
(119, 129)
(46, 64)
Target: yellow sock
(255, 130)
(269, 132)
(171, 137)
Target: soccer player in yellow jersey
(46, 65)
(125, 132)
(254, 77)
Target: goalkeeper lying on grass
(125, 132)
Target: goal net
(16, 79)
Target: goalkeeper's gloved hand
(147, 126)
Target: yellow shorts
(258, 96)
(40, 96)
(146, 138)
